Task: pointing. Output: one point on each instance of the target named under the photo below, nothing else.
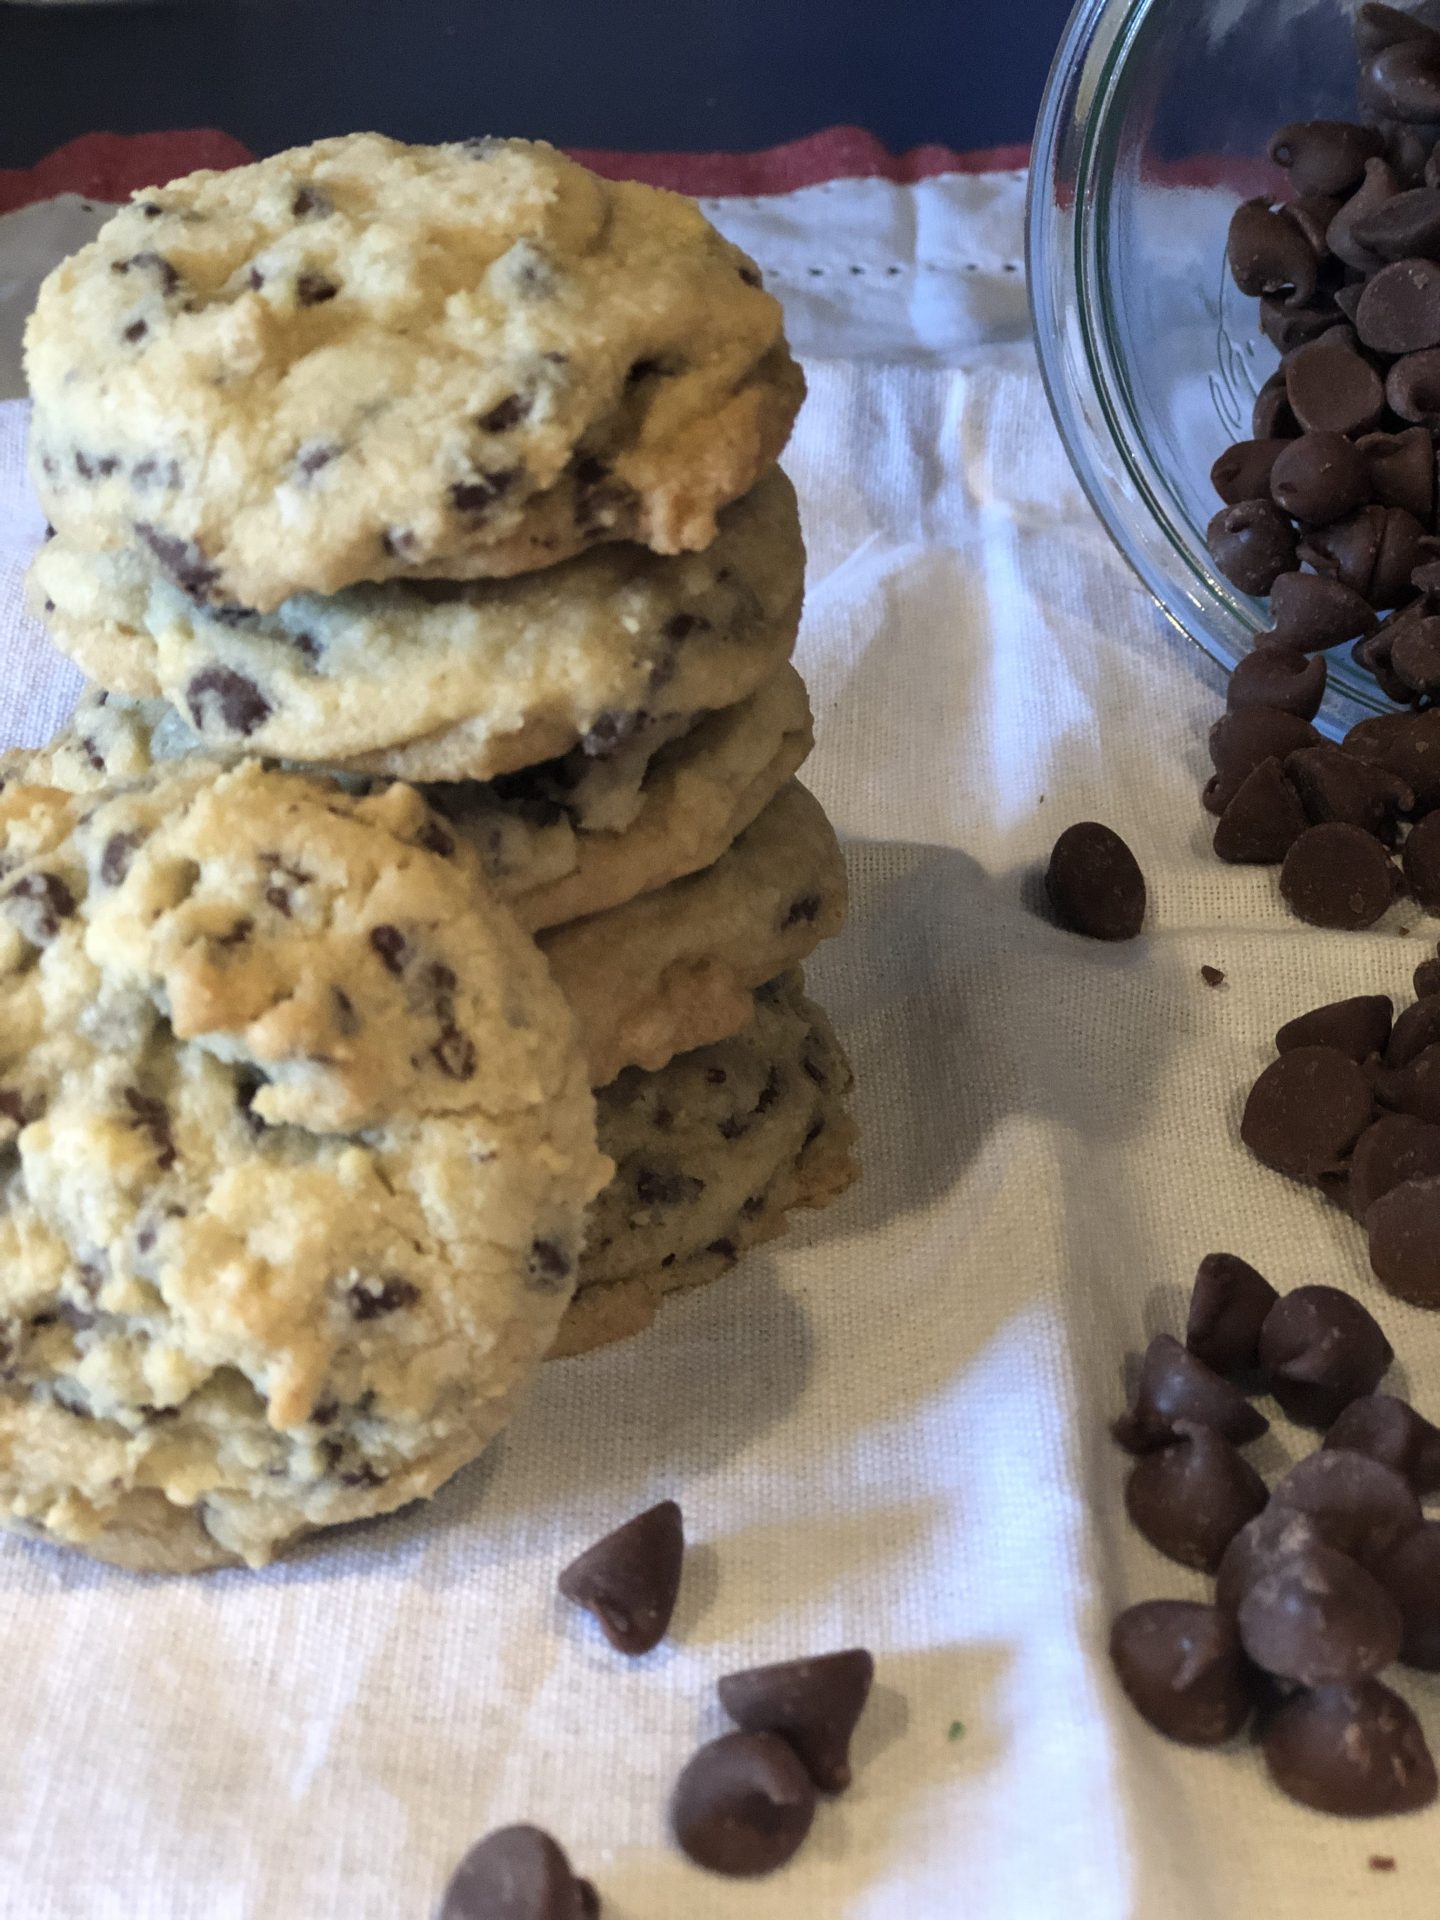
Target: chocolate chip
(153, 263)
(1271, 416)
(1404, 1230)
(1358, 1027)
(1337, 875)
(1325, 156)
(1276, 1535)
(1420, 859)
(1399, 311)
(1269, 254)
(1413, 1088)
(1408, 745)
(1321, 1349)
(1182, 1669)
(1417, 1028)
(1357, 1504)
(629, 1580)
(314, 455)
(743, 1805)
(390, 944)
(1378, 26)
(1320, 477)
(219, 694)
(1337, 786)
(1243, 471)
(1263, 820)
(1228, 1306)
(1392, 1432)
(549, 1264)
(1402, 547)
(152, 1117)
(1094, 883)
(454, 1053)
(1403, 80)
(506, 413)
(1427, 978)
(1402, 470)
(1191, 1498)
(1405, 227)
(1356, 1751)
(1320, 1619)
(1312, 611)
(656, 1188)
(115, 859)
(1379, 185)
(1412, 387)
(814, 1704)
(481, 493)
(37, 903)
(369, 1299)
(1332, 390)
(312, 289)
(310, 199)
(1306, 1111)
(1212, 976)
(801, 911)
(1243, 740)
(183, 560)
(1410, 1575)
(516, 1873)
(1252, 544)
(1175, 1387)
(1397, 1147)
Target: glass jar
(1154, 126)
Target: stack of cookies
(455, 466)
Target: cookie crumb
(1212, 976)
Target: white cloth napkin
(890, 1428)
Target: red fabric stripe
(111, 166)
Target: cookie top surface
(362, 360)
(296, 1149)
(433, 681)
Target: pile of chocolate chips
(1322, 1582)
(1331, 509)
(1351, 1104)
(745, 1802)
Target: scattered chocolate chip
(1275, 1535)
(1404, 1230)
(152, 1117)
(1191, 1498)
(1417, 1028)
(1378, 186)
(391, 946)
(1337, 875)
(310, 199)
(1412, 387)
(1271, 416)
(1175, 1388)
(1358, 1027)
(1252, 544)
(1420, 859)
(517, 1873)
(1336, 786)
(1320, 1619)
(1407, 745)
(1413, 1088)
(1263, 819)
(313, 289)
(1094, 883)
(801, 911)
(150, 262)
(370, 1299)
(481, 493)
(1280, 680)
(1228, 1306)
(1321, 1349)
(1402, 470)
(1392, 1432)
(813, 1703)
(1243, 740)
(1358, 1505)
(1306, 1111)
(1394, 1148)
(1399, 311)
(655, 1187)
(629, 1580)
(549, 1265)
(454, 1053)
(1182, 1669)
(1410, 1574)
(743, 1805)
(1402, 80)
(1357, 1751)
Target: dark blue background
(656, 74)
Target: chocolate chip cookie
(711, 1155)
(296, 1149)
(361, 360)
(439, 681)
(675, 969)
